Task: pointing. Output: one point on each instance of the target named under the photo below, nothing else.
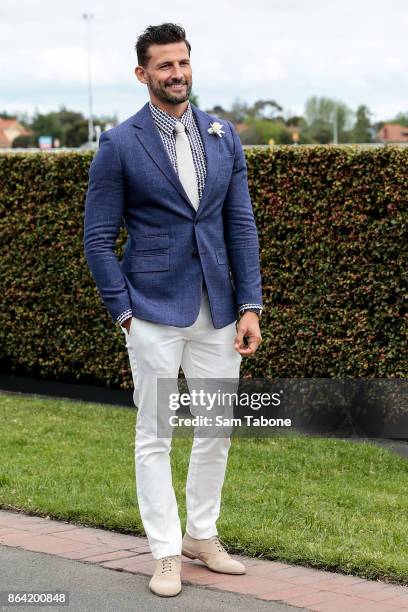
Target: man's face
(168, 73)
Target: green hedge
(332, 223)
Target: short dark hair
(162, 34)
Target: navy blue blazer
(170, 246)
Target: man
(177, 177)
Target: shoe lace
(167, 564)
(219, 544)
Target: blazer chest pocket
(151, 254)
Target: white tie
(185, 164)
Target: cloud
(285, 50)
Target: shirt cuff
(244, 307)
(123, 316)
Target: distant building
(9, 130)
(392, 132)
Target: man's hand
(248, 325)
(126, 324)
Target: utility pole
(88, 18)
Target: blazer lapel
(212, 149)
(150, 139)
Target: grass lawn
(325, 503)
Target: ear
(141, 74)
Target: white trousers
(157, 351)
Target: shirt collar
(167, 122)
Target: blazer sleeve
(240, 232)
(104, 208)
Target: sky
(354, 51)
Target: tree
(219, 112)
(7, 115)
(76, 133)
(320, 113)
(23, 142)
(237, 114)
(239, 111)
(264, 109)
(70, 127)
(193, 98)
(47, 125)
(260, 119)
(362, 129)
(260, 131)
(401, 119)
(296, 120)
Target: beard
(164, 93)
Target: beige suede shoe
(166, 578)
(212, 553)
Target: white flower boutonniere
(216, 128)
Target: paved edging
(267, 580)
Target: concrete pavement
(100, 567)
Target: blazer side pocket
(148, 262)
